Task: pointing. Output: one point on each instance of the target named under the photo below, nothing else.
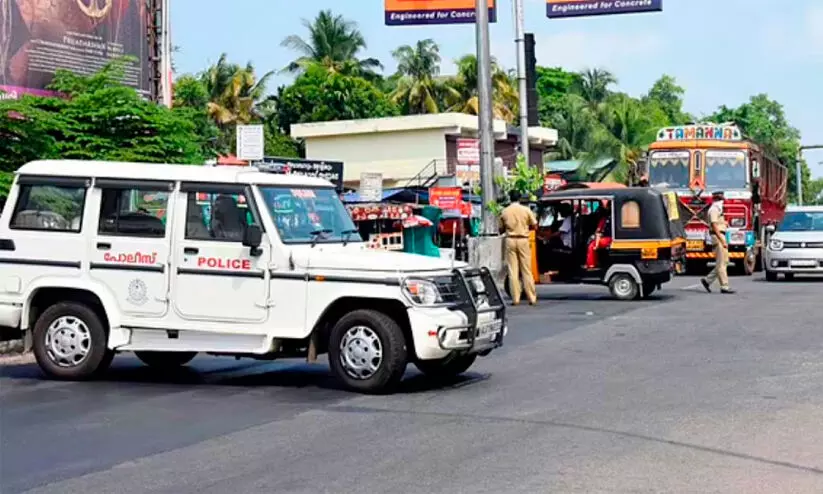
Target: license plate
(488, 328)
(695, 245)
(805, 263)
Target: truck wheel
(771, 276)
(71, 342)
(367, 352)
(623, 287)
(451, 366)
(165, 360)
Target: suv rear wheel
(71, 342)
(367, 351)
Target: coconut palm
(504, 92)
(417, 88)
(334, 43)
(594, 87)
(234, 92)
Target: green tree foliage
(333, 43)
(668, 95)
(97, 119)
(416, 87)
(320, 96)
(764, 120)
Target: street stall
(380, 224)
(460, 220)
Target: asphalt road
(685, 393)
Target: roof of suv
(174, 173)
(804, 209)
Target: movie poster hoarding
(422, 12)
(556, 9)
(38, 37)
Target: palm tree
(417, 89)
(334, 43)
(504, 92)
(630, 129)
(594, 87)
(234, 92)
(576, 126)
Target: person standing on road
(721, 247)
(516, 221)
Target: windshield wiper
(347, 233)
(316, 234)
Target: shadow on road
(283, 374)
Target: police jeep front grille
(451, 293)
(803, 245)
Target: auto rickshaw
(629, 239)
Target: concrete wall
(398, 156)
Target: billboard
(38, 37)
(556, 9)
(325, 169)
(417, 12)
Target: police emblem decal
(138, 292)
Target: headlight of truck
(422, 292)
(775, 244)
(737, 222)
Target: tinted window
(217, 216)
(133, 212)
(799, 221)
(49, 207)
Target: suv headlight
(775, 244)
(422, 292)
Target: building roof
(450, 123)
(163, 172)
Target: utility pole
(520, 43)
(486, 124)
(799, 171)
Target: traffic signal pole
(520, 43)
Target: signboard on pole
(468, 161)
(422, 12)
(557, 9)
(371, 187)
(449, 199)
(325, 169)
(250, 142)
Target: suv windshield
(725, 170)
(670, 169)
(799, 221)
(309, 215)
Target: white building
(406, 148)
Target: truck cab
(169, 261)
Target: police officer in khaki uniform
(516, 221)
(721, 246)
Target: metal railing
(429, 174)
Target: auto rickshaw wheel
(624, 287)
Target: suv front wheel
(367, 351)
(71, 342)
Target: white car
(168, 261)
(796, 246)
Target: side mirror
(252, 238)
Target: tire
(749, 264)
(623, 287)
(355, 337)
(71, 342)
(445, 368)
(771, 276)
(165, 360)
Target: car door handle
(191, 251)
(103, 246)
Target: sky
(721, 51)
